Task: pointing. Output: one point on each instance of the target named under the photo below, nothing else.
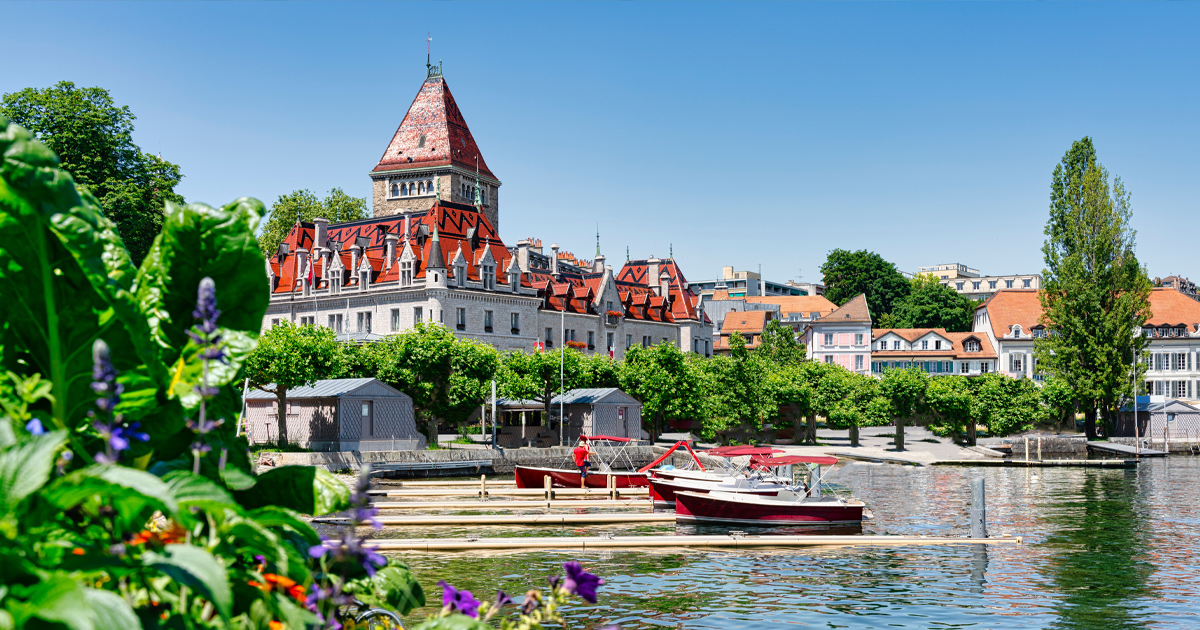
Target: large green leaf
(65, 277)
(25, 467)
(58, 600)
(393, 587)
(276, 516)
(199, 241)
(110, 611)
(195, 491)
(197, 568)
(110, 482)
(305, 489)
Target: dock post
(1039, 448)
(546, 484)
(483, 495)
(978, 509)
(1026, 448)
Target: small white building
(345, 414)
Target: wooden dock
(1123, 449)
(1041, 463)
(517, 492)
(581, 543)
(516, 519)
(643, 502)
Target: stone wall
(1050, 444)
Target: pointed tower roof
(433, 133)
(855, 310)
(436, 259)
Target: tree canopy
(93, 138)
(779, 344)
(303, 205)
(667, 383)
(848, 274)
(931, 304)
(1095, 294)
(290, 356)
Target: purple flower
(104, 377)
(502, 599)
(116, 439)
(581, 582)
(35, 427)
(462, 601)
(206, 305)
(317, 551)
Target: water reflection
(1100, 564)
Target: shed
(344, 414)
(1160, 419)
(600, 411)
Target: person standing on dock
(581, 453)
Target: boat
(662, 491)
(598, 477)
(796, 505)
(749, 479)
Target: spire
(436, 259)
(478, 199)
(597, 239)
(433, 133)
(626, 253)
(671, 251)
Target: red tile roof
(1171, 307)
(1009, 307)
(744, 322)
(955, 339)
(854, 311)
(434, 117)
(683, 301)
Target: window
(829, 339)
(591, 340)
(959, 285)
(924, 344)
(1038, 333)
(460, 318)
(972, 345)
(964, 367)
(395, 320)
(460, 275)
(364, 322)
(335, 323)
(883, 345)
(937, 344)
(421, 142)
(395, 190)
(549, 336)
(417, 315)
(487, 321)
(1008, 284)
(858, 361)
(985, 366)
(274, 322)
(368, 418)
(406, 273)
(991, 284)
(646, 341)
(308, 320)
(1181, 361)
(858, 339)
(1181, 389)
(975, 285)
(829, 359)
(1026, 282)
(489, 277)
(896, 344)
(514, 319)
(609, 344)
(1016, 363)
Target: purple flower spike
(34, 427)
(206, 306)
(316, 551)
(580, 582)
(462, 601)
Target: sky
(738, 134)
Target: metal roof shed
(345, 414)
(600, 411)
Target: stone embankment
(471, 461)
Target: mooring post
(546, 483)
(483, 488)
(978, 509)
(1039, 448)
(1026, 448)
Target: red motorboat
(794, 506)
(664, 483)
(662, 491)
(534, 477)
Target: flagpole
(562, 349)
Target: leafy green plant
(127, 499)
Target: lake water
(1103, 549)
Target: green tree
(849, 400)
(931, 304)
(948, 399)
(905, 392)
(290, 356)
(599, 370)
(849, 273)
(739, 392)
(1058, 402)
(303, 205)
(1004, 404)
(667, 383)
(540, 376)
(447, 378)
(93, 138)
(779, 344)
(1095, 295)
(791, 391)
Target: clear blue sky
(742, 133)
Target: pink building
(843, 336)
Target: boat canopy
(593, 438)
(771, 462)
(743, 450)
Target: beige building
(970, 283)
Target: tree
(905, 391)
(931, 304)
(948, 399)
(738, 390)
(1095, 295)
(849, 400)
(599, 370)
(536, 375)
(447, 378)
(93, 138)
(290, 356)
(667, 383)
(779, 344)
(303, 205)
(1058, 402)
(1004, 404)
(849, 273)
(791, 391)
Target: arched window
(1016, 330)
(403, 190)
(421, 188)
(429, 187)
(395, 190)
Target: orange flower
(174, 533)
(77, 551)
(275, 625)
(283, 583)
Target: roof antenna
(428, 46)
(597, 240)
(626, 253)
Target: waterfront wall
(1171, 446)
(1056, 444)
(499, 461)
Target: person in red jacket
(581, 453)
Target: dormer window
(972, 345)
(1016, 331)
(489, 277)
(421, 142)
(406, 273)
(364, 278)
(460, 275)
(335, 283)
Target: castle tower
(433, 147)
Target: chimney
(664, 282)
(523, 255)
(598, 264)
(390, 241)
(653, 271)
(405, 233)
(554, 259)
(301, 265)
(355, 251)
(322, 231)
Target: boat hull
(742, 510)
(531, 477)
(662, 491)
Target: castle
(433, 253)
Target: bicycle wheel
(378, 619)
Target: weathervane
(597, 240)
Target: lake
(1103, 549)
